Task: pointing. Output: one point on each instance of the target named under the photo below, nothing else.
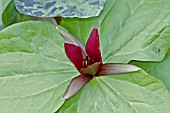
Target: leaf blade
(157, 69)
(126, 32)
(3, 5)
(34, 68)
(130, 93)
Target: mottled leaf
(52, 20)
(128, 30)
(34, 70)
(127, 93)
(65, 8)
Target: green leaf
(3, 5)
(126, 93)
(66, 8)
(129, 30)
(34, 70)
(158, 69)
(11, 15)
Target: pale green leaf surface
(34, 70)
(65, 8)
(160, 70)
(129, 30)
(127, 93)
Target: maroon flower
(88, 61)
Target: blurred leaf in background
(11, 15)
(3, 5)
(65, 8)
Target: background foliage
(34, 70)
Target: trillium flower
(88, 61)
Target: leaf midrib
(50, 88)
(102, 80)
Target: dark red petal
(76, 84)
(109, 69)
(92, 46)
(92, 69)
(74, 53)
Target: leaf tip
(56, 27)
(66, 96)
(68, 93)
(136, 68)
(132, 68)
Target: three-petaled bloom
(88, 61)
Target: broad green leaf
(65, 8)
(11, 15)
(126, 93)
(160, 70)
(3, 5)
(129, 30)
(34, 70)
(34, 73)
